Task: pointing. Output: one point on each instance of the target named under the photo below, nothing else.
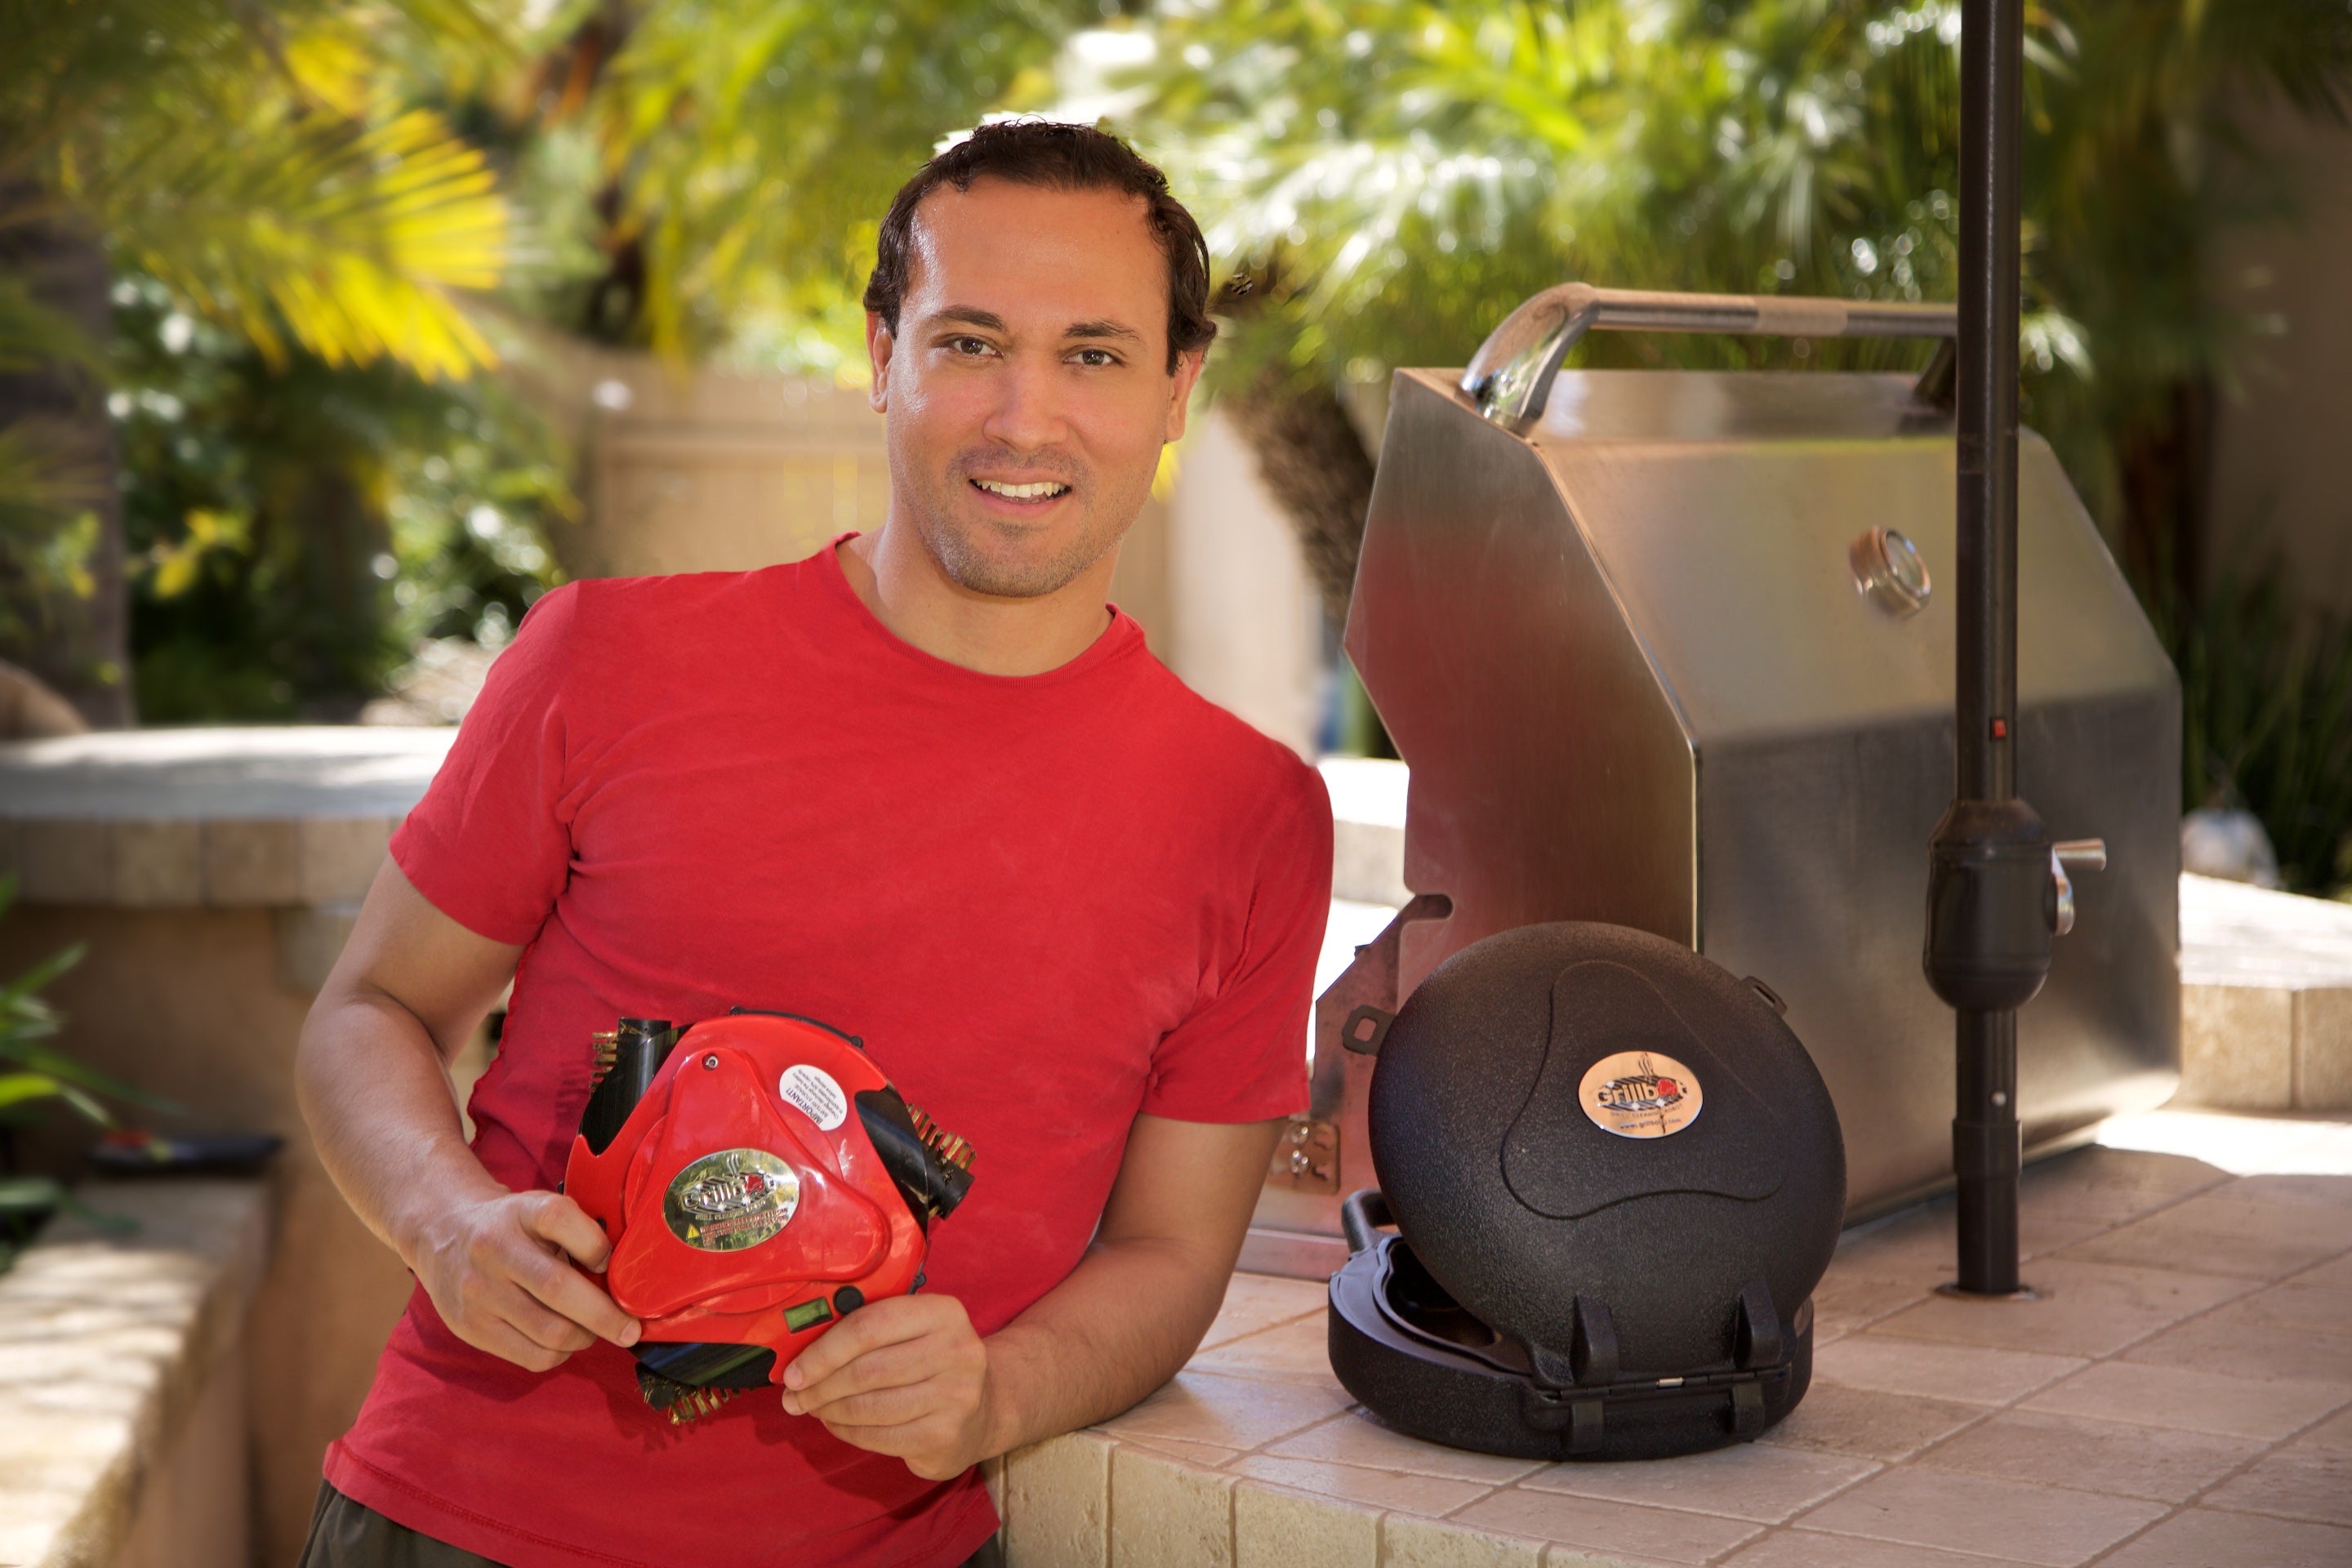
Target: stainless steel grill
(1666, 650)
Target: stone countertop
(106, 1343)
(2234, 934)
(197, 775)
(2180, 1397)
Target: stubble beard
(981, 556)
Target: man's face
(1027, 387)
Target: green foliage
(1403, 173)
(2267, 718)
(35, 1074)
(259, 161)
(294, 527)
(759, 144)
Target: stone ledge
(230, 818)
(2187, 1370)
(108, 1344)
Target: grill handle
(1510, 376)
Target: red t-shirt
(1048, 903)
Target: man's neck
(921, 605)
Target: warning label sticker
(814, 1093)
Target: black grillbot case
(1617, 1178)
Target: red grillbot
(761, 1179)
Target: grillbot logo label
(731, 1200)
(1640, 1094)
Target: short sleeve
(491, 846)
(1242, 1056)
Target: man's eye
(1096, 357)
(971, 346)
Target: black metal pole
(1986, 1147)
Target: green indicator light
(807, 1314)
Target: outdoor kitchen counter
(122, 1418)
(2181, 1398)
(212, 875)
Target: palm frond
(352, 241)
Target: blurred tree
(255, 162)
(1396, 174)
(753, 146)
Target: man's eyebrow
(1101, 329)
(971, 316)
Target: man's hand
(500, 1272)
(904, 1375)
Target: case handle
(1511, 374)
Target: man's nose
(1029, 414)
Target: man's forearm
(377, 1097)
(1124, 1322)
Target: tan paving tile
(2337, 1273)
(1256, 1301)
(1955, 1512)
(2334, 1191)
(1747, 1480)
(1410, 1543)
(2113, 1184)
(1796, 1547)
(2217, 1234)
(1429, 1496)
(1664, 1534)
(1230, 1412)
(1300, 1349)
(2229, 1341)
(1274, 1528)
(1866, 1424)
(1920, 1245)
(2188, 1400)
(1357, 1439)
(2299, 1482)
(2206, 1538)
(1167, 1513)
(1845, 1302)
(2333, 1433)
(2085, 1309)
(2314, 1308)
(1201, 1456)
(2111, 1457)
(1972, 1375)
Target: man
(924, 787)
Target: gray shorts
(345, 1535)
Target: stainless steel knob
(1888, 571)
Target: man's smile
(1030, 492)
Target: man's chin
(1009, 563)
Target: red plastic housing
(723, 1254)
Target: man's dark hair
(1055, 157)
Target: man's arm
(410, 989)
(909, 1376)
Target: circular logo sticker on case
(1639, 1094)
(731, 1200)
(813, 1092)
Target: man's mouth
(1041, 489)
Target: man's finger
(892, 1366)
(565, 1223)
(548, 1275)
(533, 1321)
(892, 1320)
(565, 1290)
(886, 1406)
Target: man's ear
(879, 342)
(1180, 391)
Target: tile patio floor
(2182, 1398)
